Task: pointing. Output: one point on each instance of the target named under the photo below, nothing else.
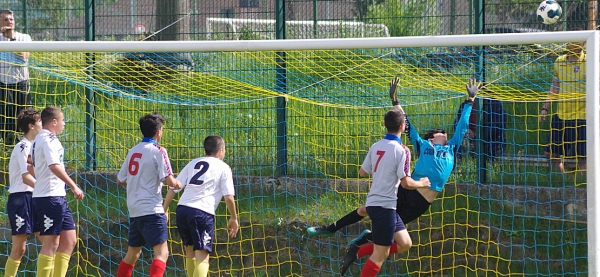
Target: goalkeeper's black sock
(348, 219)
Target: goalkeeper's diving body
(436, 162)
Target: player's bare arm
(173, 183)
(121, 183)
(362, 173)
(410, 183)
(64, 176)
(28, 179)
(31, 175)
(168, 199)
(232, 225)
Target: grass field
(331, 122)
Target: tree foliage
(405, 17)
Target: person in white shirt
(22, 182)
(145, 168)
(52, 214)
(206, 181)
(14, 78)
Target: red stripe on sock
(370, 269)
(157, 268)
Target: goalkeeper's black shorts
(411, 204)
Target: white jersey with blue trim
(46, 151)
(206, 180)
(388, 161)
(18, 166)
(145, 169)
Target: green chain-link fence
(207, 19)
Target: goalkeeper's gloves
(394, 91)
(472, 88)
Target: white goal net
(264, 29)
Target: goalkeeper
(436, 161)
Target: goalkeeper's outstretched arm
(411, 131)
(463, 124)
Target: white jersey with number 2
(145, 168)
(206, 180)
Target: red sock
(157, 268)
(367, 250)
(370, 269)
(125, 270)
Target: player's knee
(161, 251)
(133, 253)
(17, 252)
(68, 241)
(404, 246)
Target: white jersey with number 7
(388, 161)
(145, 168)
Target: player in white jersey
(52, 214)
(18, 206)
(145, 168)
(206, 181)
(388, 161)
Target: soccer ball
(549, 12)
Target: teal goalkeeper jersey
(437, 161)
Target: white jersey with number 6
(145, 168)
(46, 151)
(206, 180)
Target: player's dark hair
(48, 114)
(150, 124)
(393, 120)
(26, 117)
(432, 132)
(212, 145)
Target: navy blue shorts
(148, 230)
(196, 227)
(52, 215)
(385, 223)
(20, 213)
(567, 138)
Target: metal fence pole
(281, 86)
(480, 73)
(90, 120)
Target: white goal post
(592, 39)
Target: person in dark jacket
(493, 129)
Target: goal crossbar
(293, 44)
